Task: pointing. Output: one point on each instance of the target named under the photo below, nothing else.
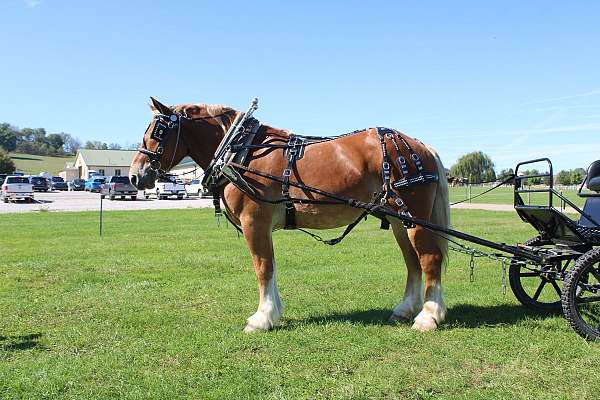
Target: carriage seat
(592, 180)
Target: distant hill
(32, 164)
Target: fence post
(470, 192)
(101, 198)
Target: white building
(117, 162)
(105, 162)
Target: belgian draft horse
(350, 166)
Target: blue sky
(514, 79)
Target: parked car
(16, 188)
(76, 184)
(58, 183)
(93, 184)
(39, 183)
(120, 186)
(194, 188)
(165, 187)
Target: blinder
(162, 128)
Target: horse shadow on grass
(20, 342)
(458, 316)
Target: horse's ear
(159, 107)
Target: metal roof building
(117, 162)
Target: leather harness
(231, 156)
(227, 170)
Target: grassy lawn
(504, 195)
(155, 309)
(33, 164)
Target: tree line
(37, 141)
(477, 167)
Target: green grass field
(33, 164)
(504, 195)
(155, 309)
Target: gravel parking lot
(85, 201)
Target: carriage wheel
(581, 296)
(537, 287)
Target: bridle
(165, 124)
(162, 128)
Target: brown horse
(350, 165)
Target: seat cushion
(591, 208)
(594, 184)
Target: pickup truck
(16, 188)
(58, 183)
(120, 186)
(165, 187)
(93, 184)
(194, 188)
(39, 183)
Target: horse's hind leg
(430, 258)
(412, 302)
(270, 308)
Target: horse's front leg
(260, 243)
(430, 258)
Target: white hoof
(424, 322)
(260, 321)
(432, 314)
(266, 318)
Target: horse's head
(162, 146)
(174, 132)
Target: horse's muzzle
(144, 179)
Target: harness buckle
(287, 173)
(155, 165)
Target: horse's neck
(204, 141)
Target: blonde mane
(219, 113)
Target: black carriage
(567, 277)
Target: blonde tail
(440, 215)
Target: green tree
(55, 141)
(476, 166)
(577, 176)
(563, 177)
(505, 173)
(7, 166)
(96, 145)
(8, 137)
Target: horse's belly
(325, 216)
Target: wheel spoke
(589, 299)
(539, 290)
(589, 315)
(556, 287)
(596, 273)
(529, 274)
